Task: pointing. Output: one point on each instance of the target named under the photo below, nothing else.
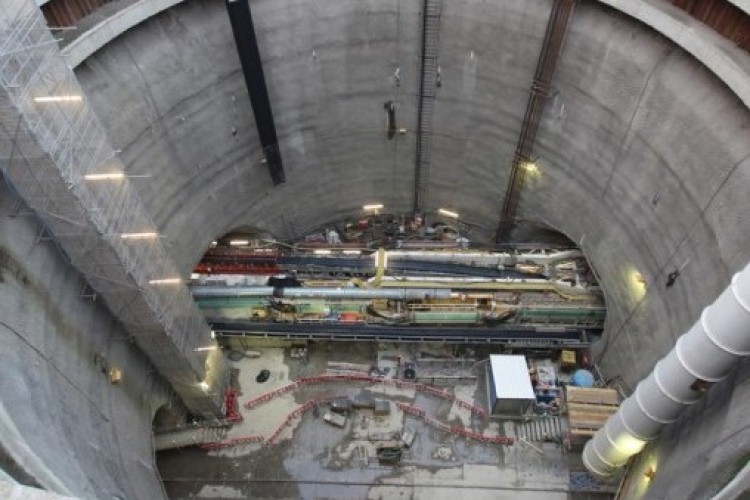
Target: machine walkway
(517, 336)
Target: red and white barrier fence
(458, 431)
(401, 384)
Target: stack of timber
(587, 410)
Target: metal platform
(516, 336)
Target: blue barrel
(582, 378)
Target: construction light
(104, 177)
(373, 206)
(207, 348)
(239, 243)
(165, 281)
(214, 243)
(59, 98)
(448, 213)
(531, 167)
(637, 284)
(139, 236)
(322, 251)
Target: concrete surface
(11, 491)
(61, 421)
(633, 116)
(89, 39)
(313, 459)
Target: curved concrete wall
(110, 28)
(634, 118)
(61, 421)
(704, 354)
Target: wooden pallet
(588, 409)
(592, 396)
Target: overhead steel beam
(247, 47)
(557, 27)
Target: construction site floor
(310, 458)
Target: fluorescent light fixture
(213, 334)
(104, 177)
(59, 98)
(139, 236)
(448, 213)
(239, 243)
(322, 251)
(207, 348)
(214, 243)
(164, 281)
(352, 252)
(373, 206)
(194, 276)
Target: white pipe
(706, 353)
(737, 486)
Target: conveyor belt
(516, 335)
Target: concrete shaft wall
(632, 117)
(644, 154)
(62, 422)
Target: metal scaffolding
(51, 143)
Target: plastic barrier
(401, 384)
(232, 406)
(458, 431)
(263, 398)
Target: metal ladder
(427, 92)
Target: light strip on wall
(104, 177)
(448, 213)
(139, 236)
(165, 281)
(58, 98)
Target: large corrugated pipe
(703, 355)
(321, 293)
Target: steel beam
(247, 46)
(557, 27)
(526, 336)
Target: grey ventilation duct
(702, 356)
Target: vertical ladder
(557, 27)
(427, 92)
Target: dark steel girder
(252, 67)
(520, 335)
(557, 27)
